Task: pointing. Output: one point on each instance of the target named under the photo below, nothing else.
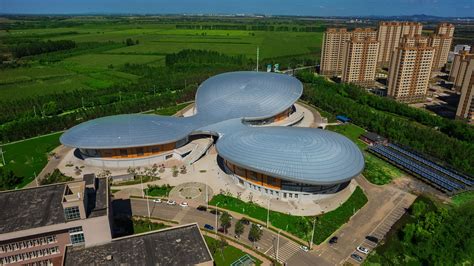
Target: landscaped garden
(299, 226)
(145, 225)
(225, 254)
(158, 191)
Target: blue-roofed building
(279, 161)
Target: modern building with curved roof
(280, 161)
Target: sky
(444, 8)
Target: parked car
(157, 200)
(184, 204)
(245, 221)
(356, 257)
(361, 249)
(372, 238)
(171, 202)
(209, 227)
(333, 240)
(201, 208)
(304, 248)
(213, 211)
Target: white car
(183, 204)
(157, 200)
(304, 248)
(361, 249)
(171, 202)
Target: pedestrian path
(285, 252)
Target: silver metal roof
(304, 155)
(222, 97)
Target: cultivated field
(100, 68)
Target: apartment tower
(410, 69)
(333, 46)
(360, 60)
(441, 40)
(458, 69)
(389, 36)
(465, 109)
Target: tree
(225, 221)
(8, 180)
(55, 177)
(239, 228)
(255, 233)
(129, 42)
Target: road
(267, 244)
(385, 206)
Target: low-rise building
(180, 245)
(37, 223)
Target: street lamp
(148, 208)
(278, 243)
(141, 182)
(268, 212)
(312, 233)
(217, 214)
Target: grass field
(326, 224)
(228, 255)
(463, 198)
(142, 226)
(376, 170)
(29, 156)
(91, 70)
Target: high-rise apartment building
(389, 36)
(333, 46)
(360, 60)
(445, 28)
(465, 109)
(442, 40)
(410, 69)
(458, 68)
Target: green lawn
(462, 198)
(299, 226)
(27, 157)
(376, 170)
(228, 255)
(141, 226)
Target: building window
(77, 235)
(123, 152)
(140, 152)
(72, 213)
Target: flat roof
(182, 245)
(29, 208)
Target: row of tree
(426, 140)
(260, 27)
(453, 128)
(39, 47)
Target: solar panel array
(431, 172)
(432, 165)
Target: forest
(430, 235)
(402, 126)
(39, 47)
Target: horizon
(303, 8)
